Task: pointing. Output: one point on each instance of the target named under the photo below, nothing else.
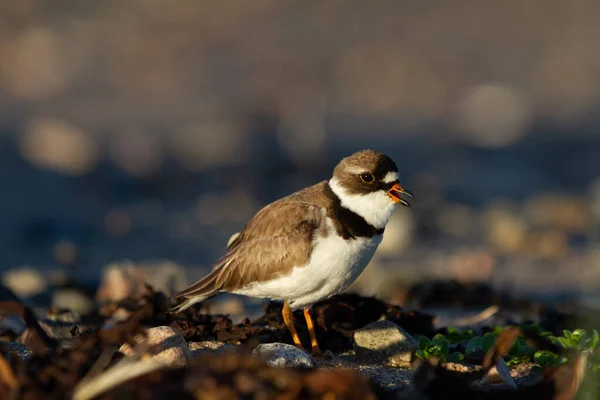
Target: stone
(173, 351)
(12, 325)
(59, 326)
(72, 299)
(283, 355)
(385, 343)
(25, 282)
(209, 347)
(126, 279)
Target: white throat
(376, 208)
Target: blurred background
(151, 131)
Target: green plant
(456, 336)
(437, 347)
(579, 340)
(484, 343)
(546, 359)
(519, 353)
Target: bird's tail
(205, 288)
(186, 303)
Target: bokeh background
(152, 130)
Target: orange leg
(316, 351)
(288, 318)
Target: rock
(12, 325)
(282, 355)
(64, 317)
(25, 282)
(388, 378)
(126, 279)
(209, 347)
(383, 342)
(72, 299)
(173, 351)
(59, 326)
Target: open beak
(395, 193)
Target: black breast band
(348, 224)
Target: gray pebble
(282, 355)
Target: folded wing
(275, 241)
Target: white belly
(334, 264)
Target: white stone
(282, 355)
(173, 351)
(383, 342)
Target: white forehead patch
(390, 177)
(356, 170)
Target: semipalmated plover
(310, 245)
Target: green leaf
(594, 341)
(567, 333)
(578, 333)
(562, 360)
(546, 358)
(498, 330)
(455, 357)
(439, 337)
(423, 342)
(454, 335)
(564, 342)
(526, 351)
(473, 345)
(515, 350)
(468, 334)
(488, 341)
(420, 354)
(445, 348)
(517, 360)
(536, 369)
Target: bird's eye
(367, 177)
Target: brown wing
(278, 238)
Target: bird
(310, 245)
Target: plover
(310, 245)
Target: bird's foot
(319, 355)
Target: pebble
(12, 324)
(174, 351)
(198, 349)
(58, 326)
(383, 342)
(126, 279)
(72, 299)
(25, 282)
(282, 355)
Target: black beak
(395, 193)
